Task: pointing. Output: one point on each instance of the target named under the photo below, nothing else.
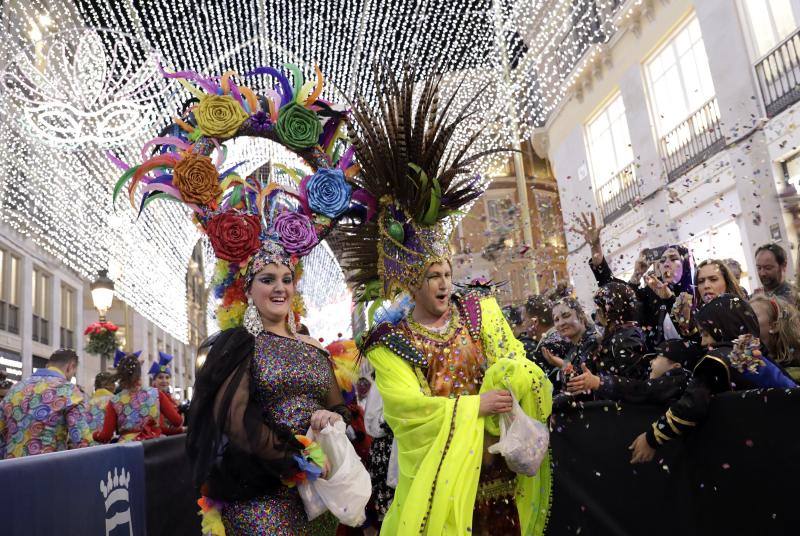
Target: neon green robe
(440, 440)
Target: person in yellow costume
(444, 369)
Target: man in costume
(45, 412)
(444, 370)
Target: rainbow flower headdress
(250, 222)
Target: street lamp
(102, 293)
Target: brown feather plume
(410, 124)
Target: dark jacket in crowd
(663, 390)
(785, 291)
(551, 340)
(577, 354)
(622, 351)
(585, 351)
(652, 309)
(530, 344)
(723, 368)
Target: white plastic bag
(347, 489)
(523, 441)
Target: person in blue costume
(161, 372)
(161, 377)
(735, 360)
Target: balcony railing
(615, 196)
(778, 75)
(40, 330)
(12, 319)
(67, 338)
(693, 140)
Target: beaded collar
(465, 305)
(443, 334)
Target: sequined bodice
(291, 380)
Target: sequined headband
(269, 253)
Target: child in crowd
(779, 326)
(667, 381)
(735, 360)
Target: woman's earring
(252, 320)
(292, 324)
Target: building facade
(489, 241)
(44, 307)
(680, 128)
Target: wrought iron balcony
(615, 196)
(693, 141)
(778, 75)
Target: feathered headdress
(413, 178)
(249, 221)
(162, 365)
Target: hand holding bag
(523, 441)
(347, 489)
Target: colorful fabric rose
(327, 192)
(234, 236)
(298, 127)
(295, 231)
(219, 116)
(197, 179)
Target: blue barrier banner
(83, 492)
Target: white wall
(724, 207)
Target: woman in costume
(736, 360)
(262, 386)
(260, 390)
(161, 373)
(134, 413)
(443, 370)
(161, 377)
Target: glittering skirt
(495, 512)
(279, 514)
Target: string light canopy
(69, 92)
(55, 183)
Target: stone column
(26, 316)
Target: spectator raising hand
(640, 267)
(590, 231)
